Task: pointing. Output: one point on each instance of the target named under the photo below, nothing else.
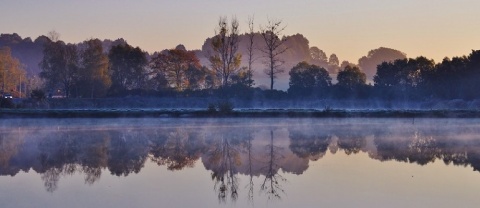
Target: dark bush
(6, 103)
(38, 95)
(211, 108)
(225, 106)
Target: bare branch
(274, 47)
(225, 60)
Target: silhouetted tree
(473, 74)
(127, 66)
(59, 65)
(351, 77)
(196, 76)
(351, 83)
(273, 48)
(449, 79)
(308, 80)
(250, 51)
(402, 79)
(94, 76)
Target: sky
(348, 28)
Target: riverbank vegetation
(79, 75)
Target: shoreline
(236, 113)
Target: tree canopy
(181, 68)
(308, 80)
(12, 74)
(127, 67)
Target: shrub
(225, 106)
(6, 103)
(38, 95)
(221, 106)
(211, 108)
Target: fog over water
(239, 162)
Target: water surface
(239, 162)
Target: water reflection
(228, 150)
(272, 184)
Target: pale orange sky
(349, 28)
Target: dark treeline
(125, 70)
(231, 65)
(418, 79)
(85, 71)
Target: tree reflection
(414, 148)
(308, 145)
(228, 152)
(92, 174)
(351, 142)
(51, 177)
(272, 184)
(177, 149)
(10, 142)
(69, 152)
(224, 156)
(128, 152)
(250, 172)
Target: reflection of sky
(334, 180)
(357, 181)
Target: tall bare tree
(273, 48)
(225, 59)
(250, 50)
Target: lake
(231, 162)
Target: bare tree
(273, 48)
(53, 36)
(225, 60)
(250, 49)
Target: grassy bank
(242, 113)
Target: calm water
(240, 163)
